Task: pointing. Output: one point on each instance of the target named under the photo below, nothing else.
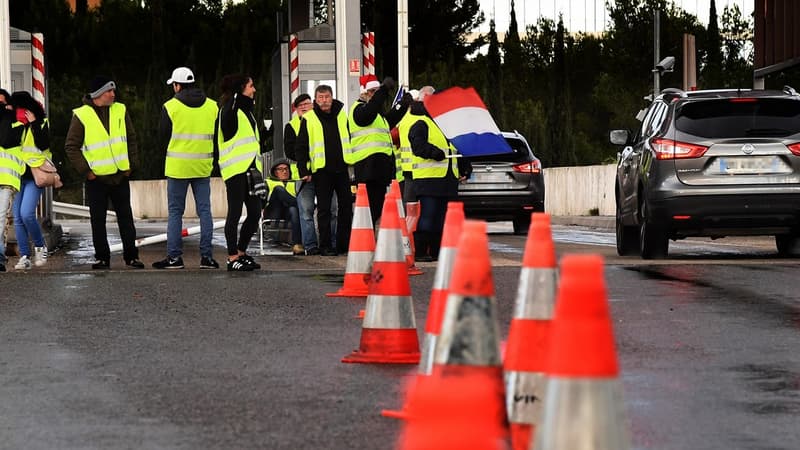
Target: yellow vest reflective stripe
(11, 167)
(29, 152)
(369, 140)
(272, 184)
(237, 153)
(406, 155)
(316, 138)
(190, 152)
(105, 151)
(295, 124)
(429, 168)
(398, 167)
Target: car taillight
(534, 166)
(795, 148)
(671, 149)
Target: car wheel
(521, 224)
(787, 244)
(627, 238)
(653, 241)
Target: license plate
(752, 165)
(488, 177)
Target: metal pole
(402, 43)
(5, 46)
(656, 55)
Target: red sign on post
(355, 67)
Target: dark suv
(507, 186)
(710, 163)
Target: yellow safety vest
(30, 153)
(295, 124)
(429, 168)
(11, 167)
(398, 166)
(406, 155)
(369, 140)
(316, 138)
(236, 154)
(105, 151)
(190, 152)
(289, 186)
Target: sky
(584, 15)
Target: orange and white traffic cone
(526, 348)
(408, 249)
(583, 407)
(453, 413)
(389, 330)
(453, 223)
(361, 250)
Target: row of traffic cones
(559, 373)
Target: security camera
(665, 65)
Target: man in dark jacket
(103, 128)
(321, 140)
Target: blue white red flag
(399, 95)
(463, 118)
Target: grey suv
(710, 163)
(506, 186)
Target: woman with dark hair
(34, 136)
(239, 144)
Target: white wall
(569, 191)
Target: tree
(737, 34)
(711, 71)
(494, 78)
(439, 31)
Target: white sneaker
(24, 263)
(39, 256)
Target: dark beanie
(99, 85)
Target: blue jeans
(306, 203)
(6, 196)
(26, 226)
(176, 202)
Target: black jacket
(334, 158)
(379, 167)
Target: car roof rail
(789, 90)
(670, 94)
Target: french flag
(465, 121)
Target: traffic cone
(453, 223)
(361, 250)
(453, 413)
(526, 348)
(583, 406)
(412, 218)
(408, 249)
(389, 330)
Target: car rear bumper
(503, 206)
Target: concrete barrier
(569, 191)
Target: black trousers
(99, 195)
(327, 184)
(376, 193)
(236, 190)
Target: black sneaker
(328, 252)
(247, 259)
(238, 265)
(101, 265)
(2, 267)
(312, 251)
(169, 263)
(208, 263)
(134, 264)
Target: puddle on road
(328, 278)
(779, 383)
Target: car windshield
(739, 118)
(520, 153)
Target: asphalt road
(209, 359)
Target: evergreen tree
(711, 72)
(494, 86)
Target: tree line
(561, 89)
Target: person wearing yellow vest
(321, 142)
(186, 128)
(32, 135)
(282, 201)
(101, 145)
(406, 156)
(11, 168)
(437, 172)
(371, 152)
(239, 144)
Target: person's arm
(229, 122)
(41, 134)
(72, 147)
(365, 113)
(301, 151)
(289, 141)
(418, 135)
(133, 144)
(164, 130)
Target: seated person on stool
(282, 201)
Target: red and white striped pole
(37, 52)
(294, 71)
(368, 49)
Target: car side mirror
(619, 137)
